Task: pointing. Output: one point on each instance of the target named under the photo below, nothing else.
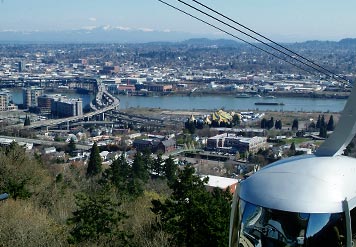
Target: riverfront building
(5, 102)
(67, 107)
(30, 96)
(231, 143)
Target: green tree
(94, 164)
(295, 125)
(71, 147)
(97, 219)
(278, 124)
(118, 174)
(322, 122)
(170, 169)
(138, 177)
(323, 132)
(158, 166)
(193, 216)
(190, 126)
(20, 175)
(264, 123)
(270, 123)
(236, 120)
(27, 121)
(139, 169)
(330, 126)
(318, 122)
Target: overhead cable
(266, 38)
(257, 39)
(236, 37)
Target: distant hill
(94, 35)
(211, 42)
(107, 34)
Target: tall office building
(30, 96)
(20, 66)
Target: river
(213, 102)
(232, 103)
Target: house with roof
(222, 183)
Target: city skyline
(279, 20)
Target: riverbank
(284, 94)
(304, 118)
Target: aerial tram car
(307, 201)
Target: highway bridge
(104, 102)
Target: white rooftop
(219, 182)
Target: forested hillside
(123, 205)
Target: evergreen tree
(312, 126)
(278, 124)
(147, 160)
(292, 148)
(158, 166)
(97, 219)
(138, 176)
(170, 169)
(295, 125)
(118, 174)
(190, 126)
(27, 121)
(71, 147)
(193, 216)
(94, 164)
(318, 123)
(323, 132)
(322, 122)
(139, 169)
(236, 120)
(270, 123)
(263, 123)
(330, 125)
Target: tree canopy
(94, 164)
(192, 215)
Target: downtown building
(5, 104)
(64, 107)
(30, 96)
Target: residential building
(4, 101)
(67, 107)
(30, 96)
(155, 145)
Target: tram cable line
(332, 75)
(268, 39)
(261, 41)
(236, 37)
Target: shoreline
(312, 95)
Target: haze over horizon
(283, 21)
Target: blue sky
(282, 20)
